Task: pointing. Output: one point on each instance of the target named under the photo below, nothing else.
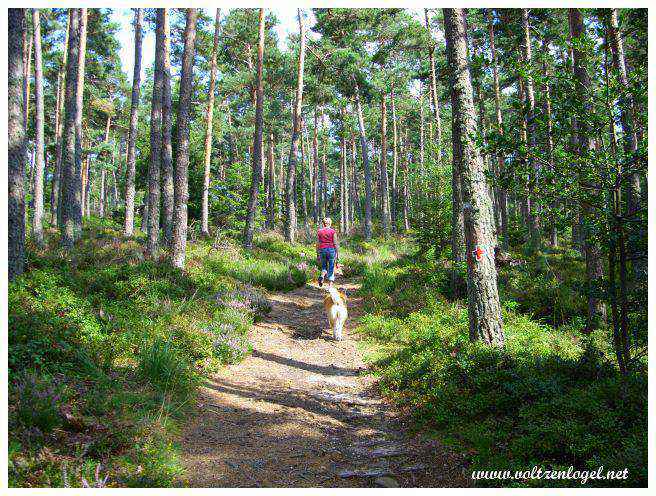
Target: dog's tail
(335, 296)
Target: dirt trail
(301, 411)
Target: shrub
(166, 368)
(37, 400)
(547, 398)
(230, 336)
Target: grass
(552, 397)
(107, 349)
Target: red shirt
(326, 237)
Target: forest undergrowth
(107, 348)
(553, 397)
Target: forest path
(301, 411)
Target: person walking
(327, 252)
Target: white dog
(335, 305)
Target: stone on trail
(388, 451)
(387, 482)
(343, 398)
(372, 472)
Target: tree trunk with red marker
(483, 298)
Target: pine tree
(209, 118)
(290, 187)
(179, 244)
(37, 221)
(132, 131)
(483, 299)
(251, 206)
(16, 149)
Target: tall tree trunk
(79, 102)
(315, 169)
(132, 130)
(357, 204)
(87, 194)
(546, 88)
(271, 193)
(457, 218)
(482, 126)
(251, 207)
(154, 168)
(290, 187)
(365, 165)
(323, 177)
(502, 195)
(103, 194)
(27, 70)
(68, 183)
(534, 165)
(55, 192)
(103, 174)
(16, 149)
(302, 185)
(433, 92)
(421, 129)
(181, 194)
(405, 191)
(626, 104)
(37, 221)
(383, 177)
(343, 194)
(168, 189)
(209, 118)
(483, 299)
(592, 251)
(395, 163)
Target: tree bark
(315, 169)
(168, 189)
(302, 185)
(534, 165)
(502, 194)
(154, 169)
(405, 191)
(16, 149)
(553, 233)
(271, 193)
(257, 142)
(383, 177)
(357, 207)
(79, 102)
(592, 251)
(181, 193)
(55, 192)
(27, 70)
(433, 91)
(365, 165)
(626, 104)
(323, 176)
(37, 221)
(68, 182)
(209, 118)
(395, 163)
(483, 299)
(290, 186)
(457, 218)
(130, 172)
(343, 192)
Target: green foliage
(547, 287)
(166, 368)
(551, 397)
(105, 342)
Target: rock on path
(302, 412)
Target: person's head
(327, 222)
